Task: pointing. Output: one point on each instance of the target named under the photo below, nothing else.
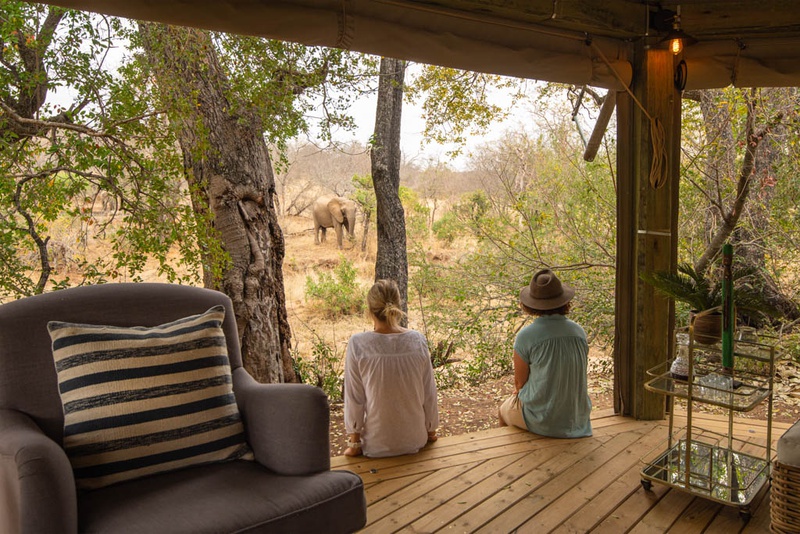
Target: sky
(412, 127)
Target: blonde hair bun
(383, 302)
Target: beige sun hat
(545, 292)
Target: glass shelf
(748, 391)
(715, 472)
(696, 460)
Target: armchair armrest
(36, 478)
(287, 425)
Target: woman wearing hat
(551, 395)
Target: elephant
(334, 212)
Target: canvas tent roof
(593, 42)
(740, 42)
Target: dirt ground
(469, 409)
(461, 410)
(464, 409)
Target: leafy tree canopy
(82, 127)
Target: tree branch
(731, 218)
(32, 127)
(41, 244)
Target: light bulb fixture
(676, 42)
(677, 39)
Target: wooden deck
(505, 480)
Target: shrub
(337, 293)
(458, 313)
(324, 369)
(447, 228)
(417, 214)
(447, 376)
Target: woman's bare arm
(521, 372)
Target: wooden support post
(646, 230)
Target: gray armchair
(289, 488)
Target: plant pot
(707, 326)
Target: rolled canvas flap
(496, 46)
(746, 63)
(464, 40)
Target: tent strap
(658, 167)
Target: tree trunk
(758, 162)
(391, 261)
(729, 215)
(230, 176)
(367, 217)
(748, 239)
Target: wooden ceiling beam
(620, 19)
(710, 20)
(628, 19)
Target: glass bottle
(680, 365)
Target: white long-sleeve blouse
(389, 392)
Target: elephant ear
(335, 207)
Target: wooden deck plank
(696, 517)
(380, 490)
(599, 508)
(437, 457)
(532, 480)
(555, 508)
(631, 511)
(498, 489)
(544, 487)
(478, 493)
(431, 481)
(442, 449)
(759, 523)
(444, 446)
(428, 501)
(595, 484)
(729, 521)
(453, 445)
(424, 465)
(661, 516)
(508, 480)
(743, 426)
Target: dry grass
(462, 409)
(304, 259)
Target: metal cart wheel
(744, 514)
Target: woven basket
(785, 499)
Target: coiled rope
(658, 167)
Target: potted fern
(703, 295)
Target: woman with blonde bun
(390, 394)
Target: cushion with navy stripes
(143, 400)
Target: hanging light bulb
(676, 39)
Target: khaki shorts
(511, 412)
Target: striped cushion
(139, 401)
